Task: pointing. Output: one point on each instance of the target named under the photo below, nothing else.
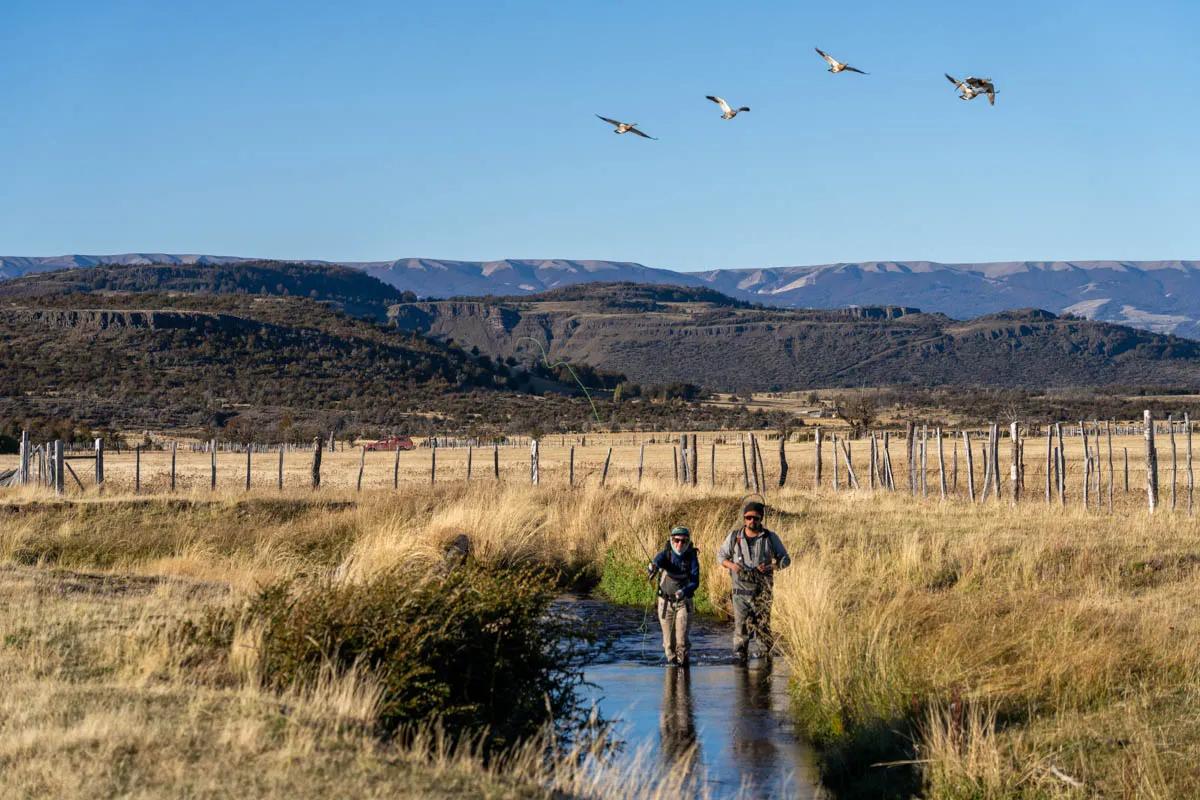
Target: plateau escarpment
(736, 347)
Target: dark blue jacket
(685, 568)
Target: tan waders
(675, 617)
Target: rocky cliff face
(738, 349)
(105, 319)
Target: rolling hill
(277, 351)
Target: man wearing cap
(752, 554)
(678, 566)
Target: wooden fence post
(59, 469)
(1111, 473)
(925, 461)
(362, 465)
(470, 457)
(941, 463)
(888, 474)
(496, 460)
(1049, 454)
(995, 453)
(966, 435)
(1126, 453)
(534, 477)
(1191, 478)
(1087, 478)
(852, 479)
(279, 477)
(1151, 462)
(837, 477)
(23, 469)
(695, 461)
(874, 462)
(98, 444)
(817, 473)
(954, 465)
(137, 469)
(1014, 434)
(248, 449)
(675, 461)
(316, 464)
(1087, 459)
(604, 473)
(910, 443)
(641, 461)
(987, 472)
(212, 465)
(1062, 465)
(754, 463)
(433, 461)
(571, 467)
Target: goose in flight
(836, 66)
(969, 88)
(726, 111)
(625, 127)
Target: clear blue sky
(372, 130)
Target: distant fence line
(48, 464)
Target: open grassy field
(956, 650)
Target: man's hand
(679, 595)
(766, 569)
(650, 570)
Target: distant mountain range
(1161, 296)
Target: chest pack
(671, 582)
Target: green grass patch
(623, 581)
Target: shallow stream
(735, 716)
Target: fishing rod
(646, 612)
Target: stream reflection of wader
(677, 719)
(753, 693)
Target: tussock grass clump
(472, 650)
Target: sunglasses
(678, 539)
(753, 518)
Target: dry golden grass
(1069, 641)
(1026, 649)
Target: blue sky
(372, 130)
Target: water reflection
(725, 723)
(752, 745)
(677, 719)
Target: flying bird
(836, 66)
(970, 87)
(626, 127)
(726, 111)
